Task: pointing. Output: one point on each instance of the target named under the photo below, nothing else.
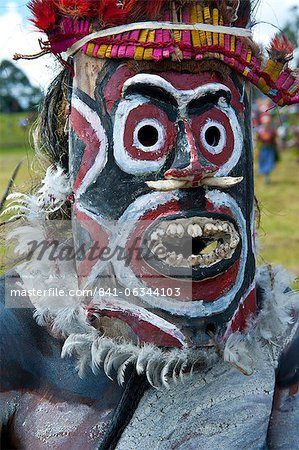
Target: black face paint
(169, 167)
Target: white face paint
(199, 308)
(157, 138)
(96, 126)
(121, 232)
(122, 156)
(150, 133)
(213, 137)
(157, 126)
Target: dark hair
(53, 139)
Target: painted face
(162, 171)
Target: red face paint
(168, 127)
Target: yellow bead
(102, 51)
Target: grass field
(279, 204)
(12, 135)
(279, 201)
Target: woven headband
(244, 32)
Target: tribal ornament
(159, 154)
(197, 260)
(163, 30)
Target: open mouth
(202, 245)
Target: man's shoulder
(20, 337)
(31, 357)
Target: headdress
(169, 29)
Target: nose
(187, 165)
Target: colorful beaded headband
(168, 29)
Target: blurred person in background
(268, 155)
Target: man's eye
(143, 136)
(149, 135)
(219, 137)
(213, 137)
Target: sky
(17, 35)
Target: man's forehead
(179, 81)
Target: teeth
(221, 252)
(222, 235)
(155, 236)
(234, 242)
(194, 230)
(226, 247)
(160, 232)
(172, 259)
(180, 230)
(225, 227)
(193, 260)
(171, 230)
(209, 258)
(210, 229)
(160, 251)
(180, 259)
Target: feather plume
(244, 13)
(265, 337)
(237, 353)
(281, 49)
(77, 9)
(153, 9)
(159, 365)
(55, 189)
(110, 14)
(51, 196)
(44, 14)
(228, 9)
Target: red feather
(74, 8)
(110, 14)
(47, 12)
(44, 14)
(281, 44)
(153, 9)
(281, 49)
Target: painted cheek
(214, 135)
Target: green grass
(9, 160)
(15, 147)
(12, 135)
(279, 204)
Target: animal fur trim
(273, 328)
(53, 193)
(114, 356)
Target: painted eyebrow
(153, 91)
(210, 98)
(182, 98)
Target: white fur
(159, 365)
(54, 190)
(271, 330)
